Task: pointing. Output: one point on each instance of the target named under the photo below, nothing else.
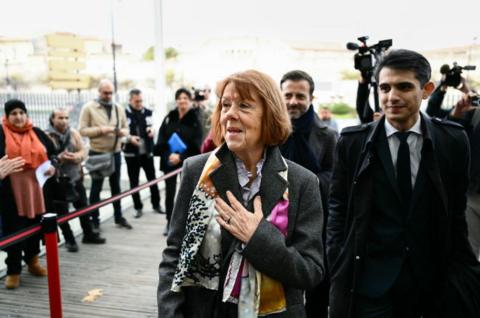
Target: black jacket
(434, 109)
(138, 122)
(351, 201)
(188, 129)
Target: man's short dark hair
(298, 75)
(406, 60)
(134, 92)
(181, 91)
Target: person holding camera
(68, 184)
(138, 150)
(466, 114)
(104, 123)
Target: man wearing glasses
(104, 123)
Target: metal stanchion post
(49, 227)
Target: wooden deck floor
(125, 268)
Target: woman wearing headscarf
(21, 197)
(246, 231)
(184, 123)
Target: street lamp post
(112, 20)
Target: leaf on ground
(92, 295)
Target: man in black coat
(138, 150)
(397, 202)
(311, 145)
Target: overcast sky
(413, 24)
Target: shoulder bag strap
(116, 128)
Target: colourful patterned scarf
(200, 256)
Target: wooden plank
(65, 41)
(126, 268)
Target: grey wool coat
(296, 261)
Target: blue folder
(176, 144)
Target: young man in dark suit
(397, 202)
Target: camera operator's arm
(436, 99)
(462, 113)
(364, 111)
(435, 102)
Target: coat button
(357, 257)
(407, 248)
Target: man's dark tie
(404, 173)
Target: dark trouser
(97, 184)
(30, 247)
(85, 223)
(146, 163)
(404, 300)
(316, 300)
(170, 189)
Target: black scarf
(297, 148)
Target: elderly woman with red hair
(21, 196)
(246, 231)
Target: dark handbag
(100, 165)
(103, 164)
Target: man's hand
(67, 156)
(107, 130)
(174, 159)
(9, 166)
(135, 140)
(237, 220)
(464, 87)
(150, 132)
(463, 105)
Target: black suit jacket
(351, 202)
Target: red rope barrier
(24, 234)
(49, 226)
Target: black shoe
(123, 223)
(158, 210)
(71, 246)
(138, 213)
(93, 239)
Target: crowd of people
(280, 216)
(110, 130)
(284, 218)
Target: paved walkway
(125, 268)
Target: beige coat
(92, 117)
